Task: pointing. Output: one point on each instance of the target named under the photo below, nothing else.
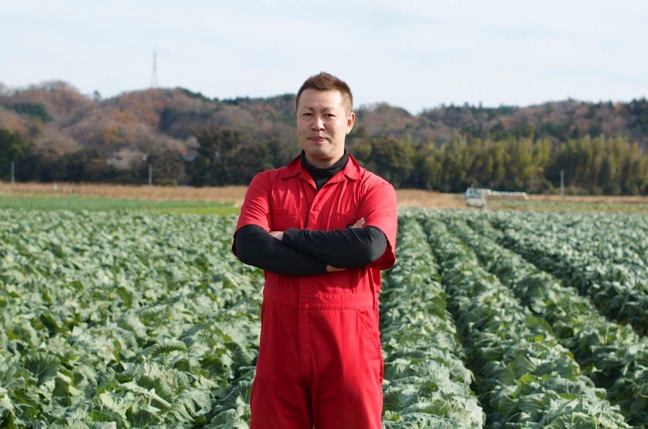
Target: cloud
(412, 54)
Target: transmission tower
(154, 77)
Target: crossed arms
(301, 252)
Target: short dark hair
(324, 82)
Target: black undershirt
(322, 175)
(306, 252)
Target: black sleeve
(254, 246)
(342, 248)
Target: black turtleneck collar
(322, 175)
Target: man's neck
(322, 174)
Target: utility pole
(150, 176)
(154, 77)
(562, 183)
(13, 172)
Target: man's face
(324, 119)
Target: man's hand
(277, 234)
(358, 224)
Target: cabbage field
(507, 319)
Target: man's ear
(350, 121)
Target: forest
(51, 132)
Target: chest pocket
(284, 218)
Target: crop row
(612, 355)
(616, 289)
(426, 382)
(525, 378)
(613, 237)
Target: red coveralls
(320, 360)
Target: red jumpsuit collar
(351, 170)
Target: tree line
(585, 165)
(52, 133)
(600, 165)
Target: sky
(414, 54)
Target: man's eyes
(309, 114)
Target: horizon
(365, 106)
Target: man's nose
(318, 123)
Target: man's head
(324, 118)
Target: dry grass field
(226, 194)
(234, 195)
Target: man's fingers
(332, 269)
(359, 223)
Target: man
(321, 228)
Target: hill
(57, 133)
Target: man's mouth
(318, 139)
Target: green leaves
(607, 352)
(149, 321)
(525, 377)
(603, 257)
(426, 382)
(42, 366)
(121, 321)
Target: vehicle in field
(478, 197)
